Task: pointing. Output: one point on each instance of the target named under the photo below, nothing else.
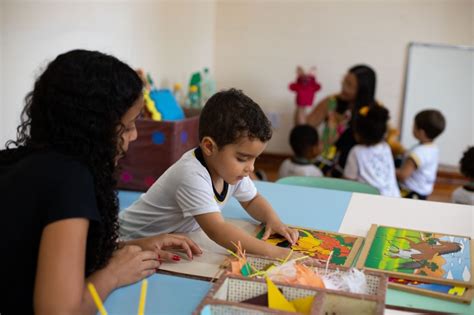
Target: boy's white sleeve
(245, 190)
(195, 196)
(351, 169)
(417, 156)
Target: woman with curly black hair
(59, 206)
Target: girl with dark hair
(336, 112)
(59, 205)
(371, 160)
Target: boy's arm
(225, 234)
(261, 210)
(405, 171)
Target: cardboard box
(158, 146)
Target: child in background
(233, 132)
(465, 194)
(418, 171)
(304, 141)
(371, 160)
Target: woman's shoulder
(26, 157)
(48, 167)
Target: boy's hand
(272, 227)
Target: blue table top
(165, 295)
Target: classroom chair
(329, 183)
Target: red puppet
(305, 87)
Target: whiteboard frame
(407, 72)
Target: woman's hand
(160, 244)
(278, 227)
(131, 264)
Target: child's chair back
(329, 183)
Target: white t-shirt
(291, 168)
(463, 196)
(170, 204)
(373, 165)
(423, 178)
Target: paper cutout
(261, 300)
(276, 300)
(246, 269)
(293, 272)
(303, 305)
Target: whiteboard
(441, 77)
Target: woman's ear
(208, 146)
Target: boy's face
(235, 161)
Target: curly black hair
(467, 163)
(302, 139)
(76, 108)
(431, 121)
(370, 126)
(230, 115)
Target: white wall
(258, 45)
(170, 39)
(252, 45)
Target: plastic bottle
(208, 86)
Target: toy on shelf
(195, 89)
(150, 106)
(305, 86)
(178, 93)
(193, 97)
(201, 87)
(208, 86)
(166, 104)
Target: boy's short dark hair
(431, 121)
(229, 115)
(370, 124)
(302, 139)
(467, 163)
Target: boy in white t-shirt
(371, 160)
(417, 174)
(304, 140)
(233, 132)
(465, 194)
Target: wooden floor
(446, 182)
